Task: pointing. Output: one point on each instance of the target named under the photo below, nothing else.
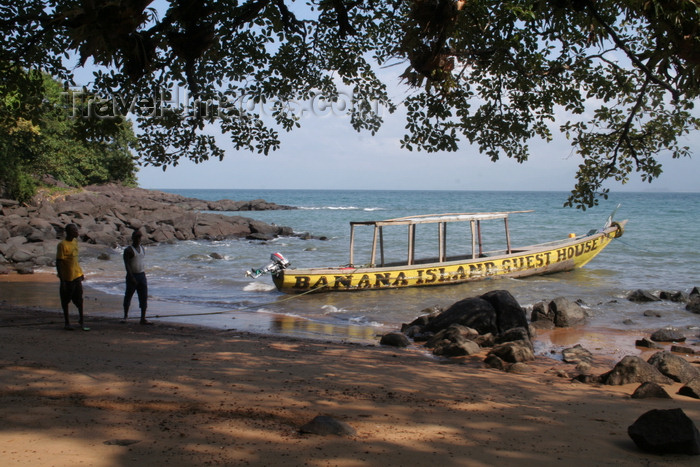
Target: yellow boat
(477, 264)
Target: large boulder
(560, 312)
(509, 313)
(668, 334)
(675, 367)
(665, 432)
(632, 369)
(474, 312)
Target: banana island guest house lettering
(443, 268)
(546, 261)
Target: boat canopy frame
(441, 220)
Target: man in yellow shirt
(71, 275)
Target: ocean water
(658, 252)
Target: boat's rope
(222, 312)
(242, 308)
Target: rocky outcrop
(494, 319)
(106, 215)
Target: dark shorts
(72, 291)
(140, 287)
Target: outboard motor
(278, 263)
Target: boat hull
(528, 261)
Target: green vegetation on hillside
(38, 138)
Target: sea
(204, 282)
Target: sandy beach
(125, 394)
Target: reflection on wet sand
(292, 325)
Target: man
(135, 276)
(70, 275)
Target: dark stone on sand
(650, 390)
(395, 339)
(577, 354)
(493, 361)
(456, 349)
(647, 343)
(665, 432)
(324, 425)
(514, 352)
(691, 389)
(675, 367)
(683, 349)
(669, 334)
(632, 369)
(642, 296)
(121, 442)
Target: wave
(259, 287)
(340, 208)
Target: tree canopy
(37, 140)
(618, 77)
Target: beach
(125, 394)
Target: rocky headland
(106, 216)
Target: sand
(125, 394)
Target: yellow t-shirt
(68, 253)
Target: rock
(691, 389)
(674, 296)
(675, 367)
(493, 361)
(642, 296)
(632, 369)
(513, 352)
(566, 312)
(324, 425)
(456, 349)
(472, 312)
(216, 255)
(683, 349)
(577, 354)
(561, 311)
(647, 343)
(665, 432)
(693, 304)
(650, 390)
(669, 334)
(395, 339)
(513, 334)
(509, 313)
(519, 368)
(653, 314)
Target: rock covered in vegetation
(106, 216)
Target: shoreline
(190, 395)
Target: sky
(327, 153)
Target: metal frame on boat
(477, 264)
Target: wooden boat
(477, 264)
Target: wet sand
(125, 394)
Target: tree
(36, 139)
(617, 77)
